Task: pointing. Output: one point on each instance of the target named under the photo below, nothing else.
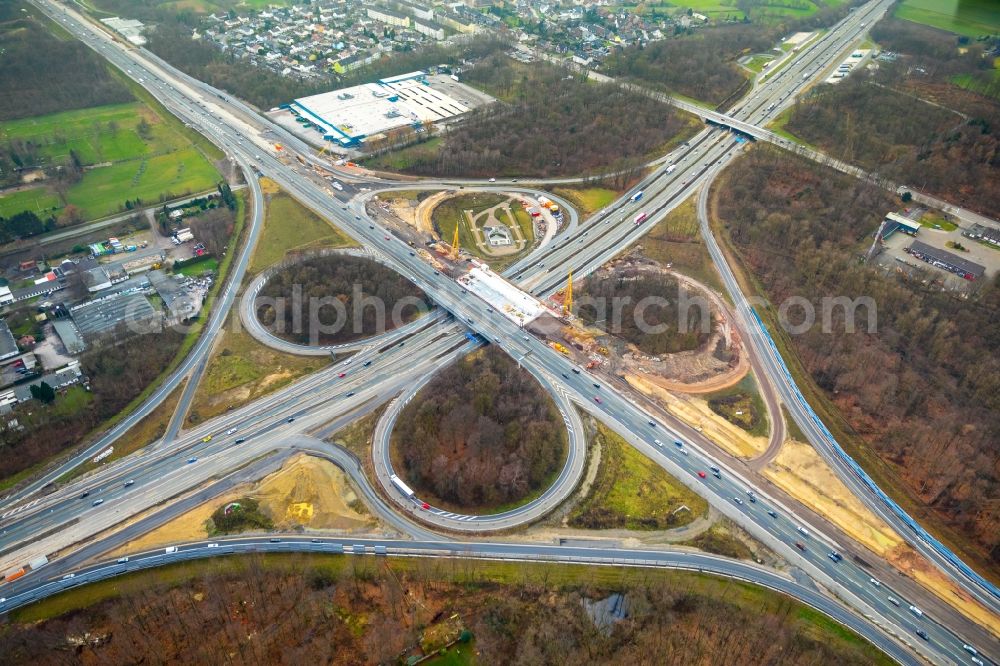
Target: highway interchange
(62, 518)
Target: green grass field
(587, 200)
(39, 200)
(103, 191)
(207, 264)
(633, 492)
(291, 226)
(150, 166)
(971, 18)
(99, 134)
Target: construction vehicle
(591, 365)
(559, 348)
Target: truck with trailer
(641, 217)
(670, 169)
(402, 487)
(636, 196)
(35, 563)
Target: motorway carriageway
(306, 195)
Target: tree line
(480, 434)
(703, 63)
(298, 610)
(875, 121)
(924, 390)
(550, 122)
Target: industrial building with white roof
(349, 116)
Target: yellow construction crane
(568, 300)
(454, 244)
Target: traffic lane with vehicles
(165, 472)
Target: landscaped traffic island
(481, 437)
(337, 298)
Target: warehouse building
(946, 261)
(98, 318)
(350, 116)
(895, 222)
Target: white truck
(169, 550)
(670, 169)
(38, 562)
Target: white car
(231, 431)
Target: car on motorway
(597, 400)
(386, 237)
(750, 494)
(922, 634)
(679, 444)
(206, 438)
(803, 531)
(771, 513)
(874, 582)
(240, 440)
(968, 648)
(98, 502)
(738, 501)
(68, 576)
(701, 475)
(835, 556)
(366, 364)
(412, 254)
(129, 482)
(123, 560)
(801, 546)
(342, 375)
(212, 545)
(192, 460)
(85, 495)
(658, 442)
(893, 600)
(493, 180)
(289, 419)
(916, 611)
(576, 371)
(231, 431)
(350, 394)
(596, 385)
(274, 540)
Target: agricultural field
(123, 151)
(104, 191)
(971, 18)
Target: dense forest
(549, 124)
(265, 88)
(117, 375)
(948, 145)
(314, 611)
(702, 64)
(74, 76)
(480, 434)
(924, 391)
(658, 297)
(366, 293)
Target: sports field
(38, 200)
(971, 18)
